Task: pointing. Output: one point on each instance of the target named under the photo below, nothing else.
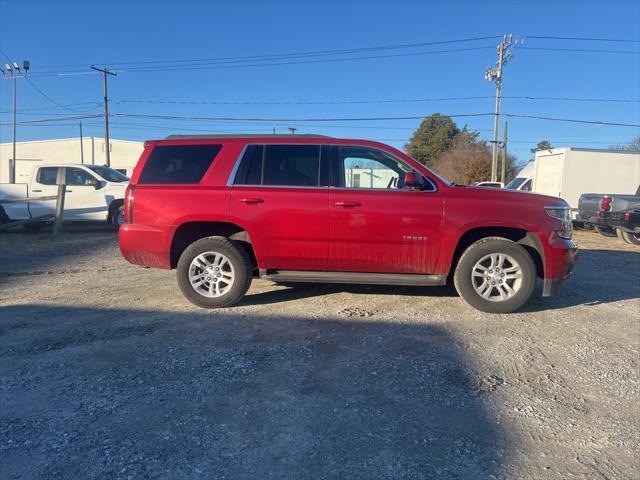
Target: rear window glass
(182, 164)
(291, 165)
(47, 175)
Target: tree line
(460, 155)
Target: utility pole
(503, 175)
(13, 73)
(81, 145)
(494, 74)
(105, 72)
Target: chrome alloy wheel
(496, 277)
(211, 274)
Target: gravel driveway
(107, 372)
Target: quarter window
(178, 164)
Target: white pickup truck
(93, 192)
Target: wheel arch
(188, 232)
(526, 239)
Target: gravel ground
(107, 372)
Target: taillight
(605, 204)
(627, 217)
(128, 204)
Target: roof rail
(246, 135)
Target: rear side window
(281, 165)
(178, 164)
(47, 175)
(291, 165)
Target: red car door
(277, 196)
(377, 225)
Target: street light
(13, 73)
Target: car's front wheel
(213, 273)
(495, 275)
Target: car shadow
(587, 285)
(94, 392)
(298, 291)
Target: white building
(124, 154)
(370, 177)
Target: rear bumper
(627, 221)
(145, 245)
(559, 262)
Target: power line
(588, 39)
(320, 120)
(35, 87)
(572, 120)
(210, 66)
(363, 102)
(333, 52)
(257, 119)
(361, 119)
(290, 54)
(49, 120)
(33, 109)
(586, 50)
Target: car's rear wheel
(117, 216)
(495, 275)
(213, 272)
(632, 238)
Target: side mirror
(412, 182)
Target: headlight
(563, 215)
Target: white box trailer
(569, 172)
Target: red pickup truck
(309, 208)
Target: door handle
(36, 190)
(348, 204)
(68, 190)
(251, 201)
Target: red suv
(308, 208)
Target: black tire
(117, 216)
(464, 282)
(632, 238)
(604, 230)
(239, 262)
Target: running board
(352, 277)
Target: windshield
(515, 183)
(109, 174)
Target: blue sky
(52, 34)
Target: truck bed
(11, 192)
